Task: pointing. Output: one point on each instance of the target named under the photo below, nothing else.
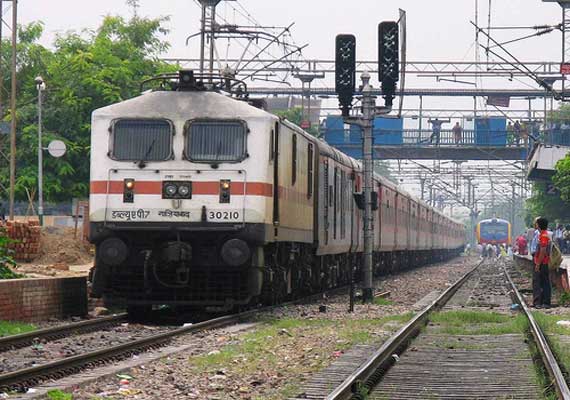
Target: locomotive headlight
(225, 185)
(170, 190)
(177, 190)
(130, 184)
(183, 190)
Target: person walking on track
(541, 287)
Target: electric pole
(345, 77)
(13, 108)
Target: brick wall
(41, 299)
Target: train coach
(200, 199)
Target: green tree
(83, 72)
(295, 115)
(551, 206)
(562, 179)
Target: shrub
(6, 259)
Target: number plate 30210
(224, 216)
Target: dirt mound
(60, 246)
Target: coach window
(310, 167)
(141, 140)
(215, 141)
(294, 160)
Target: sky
(438, 29)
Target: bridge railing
(427, 137)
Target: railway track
(22, 379)
(426, 360)
(58, 332)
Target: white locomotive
(201, 199)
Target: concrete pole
(203, 39)
(368, 111)
(13, 108)
(40, 86)
(1, 67)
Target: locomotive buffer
(345, 80)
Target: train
(200, 198)
(494, 231)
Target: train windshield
(142, 140)
(216, 141)
(494, 231)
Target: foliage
(560, 115)
(6, 260)
(555, 207)
(14, 328)
(562, 178)
(84, 71)
(295, 115)
(57, 394)
(550, 206)
(564, 299)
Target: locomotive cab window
(210, 141)
(141, 140)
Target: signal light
(345, 71)
(225, 189)
(388, 58)
(129, 191)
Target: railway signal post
(345, 68)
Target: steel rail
(56, 332)
(548, 357)
(30, 377)
(352, 385)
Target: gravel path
(43, 352)
(272, 359)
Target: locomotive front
(179, 200)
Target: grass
(381, 301)
(564, 299)
(274, 346)
(57, 394)
(477, 323)
(14, 328)
(551, 330)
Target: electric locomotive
(494, 231)
(199, 198)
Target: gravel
(271, 359)
(44, 352)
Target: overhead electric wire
(519, 66)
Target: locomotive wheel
(138, 313)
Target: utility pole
(345, 77)
(1, 66)
(40, 85)
(207, 33)
(513, 225)
(307, 78)
(13, 108)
